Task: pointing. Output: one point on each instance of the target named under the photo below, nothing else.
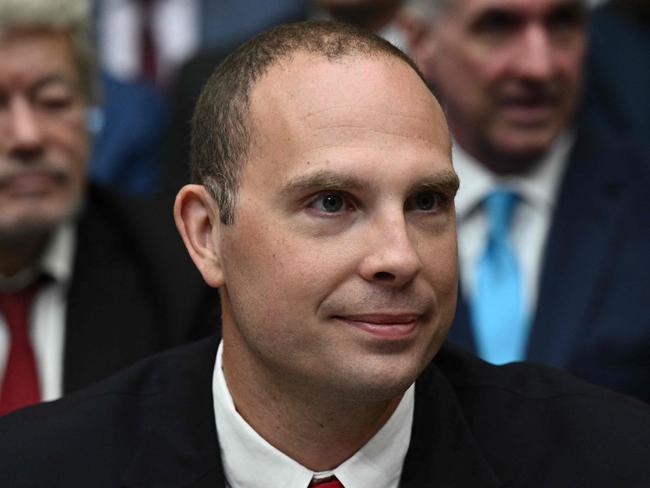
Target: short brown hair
(221, 131)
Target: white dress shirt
(47, 318)
(249, 461)
(530, 222)
(174, 27)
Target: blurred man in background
(552, 218)
(88, 281)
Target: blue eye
(426, 201)
(329, 203)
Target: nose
(534, 57)
(392, 258)
(23, 132)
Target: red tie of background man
(148, 57)
(326, 483)
(20, 385)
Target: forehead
(310, 98)
(26, 55)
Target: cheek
(468, 82)
(481, 64)
(274, 268)
(572, 56)
(572, 67)
(69, 146)
(440, 263)
(78, 141)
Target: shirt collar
(57, 259)
(537, 187)
(55, 262)
(377, 464)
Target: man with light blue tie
(552, 235)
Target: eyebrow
(55, 80)
(323, 180)
(443, 181)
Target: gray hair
(68, 16)
(221, 129)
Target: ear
(197, 220)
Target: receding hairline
(290, 59)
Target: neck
(318, 429)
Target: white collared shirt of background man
(174, 27)
(531, 220)
(47, 318)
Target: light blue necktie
(498, 315)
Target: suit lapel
(443, 452)
(582, 236)
(180, 447)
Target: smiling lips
(388, 326)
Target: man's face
(43, 139)
(509, 72)
(340, 268)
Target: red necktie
(148, 58)
(326, 483)
(20, 385)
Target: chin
(517, 153)
(36, 223)
(530, 140)
(382, 379)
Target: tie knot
(499, 205)
(331, 482)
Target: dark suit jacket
(618, 71)
(133, 291)
(475, 425)
(592, 316)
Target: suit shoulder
(535, 422)
(97, 430)
(526, 380)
